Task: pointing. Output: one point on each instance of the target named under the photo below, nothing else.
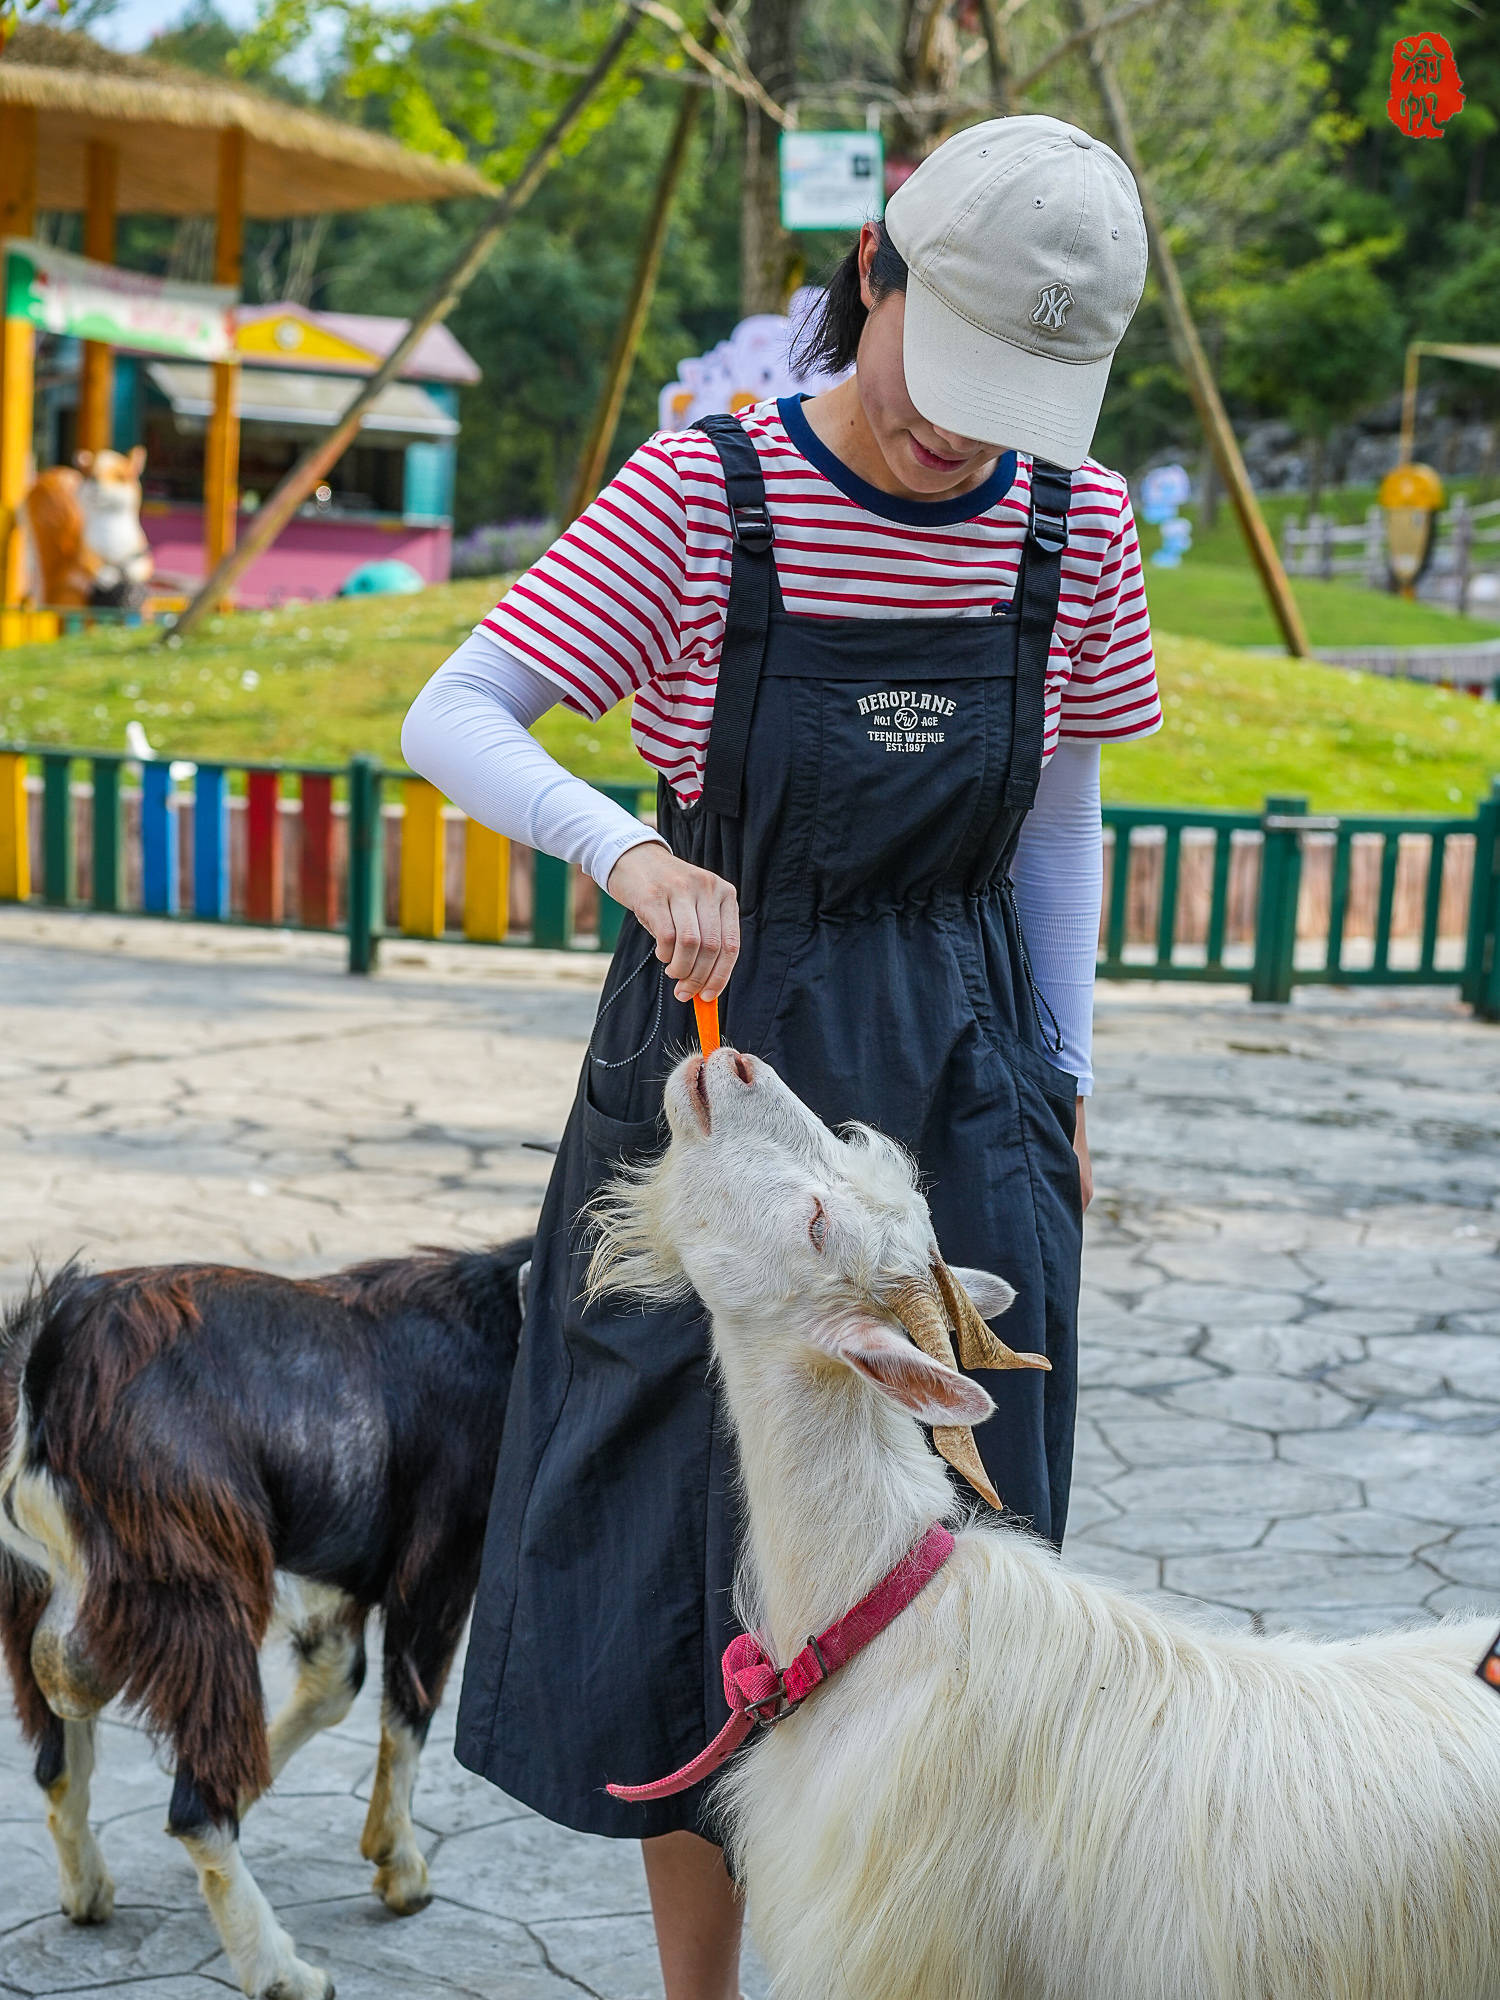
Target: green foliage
(1313, 238)
(1313, 344)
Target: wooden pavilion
(86, 130)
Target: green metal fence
(1268, 900)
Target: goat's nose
(742, 1068)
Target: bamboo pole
(1414, 353)
(1191, 358)
(606, 421)
(18, 170)
(320, 457)
(221, 452)
(96, 377)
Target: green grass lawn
(317, 682)
(1224, 602)
(1240, 726)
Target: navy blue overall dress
(865, 784)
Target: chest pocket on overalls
(910, 757)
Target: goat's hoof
(298, 1982)
(90, 1902)
(402, 1886)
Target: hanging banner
(61, 293)
(831, 180)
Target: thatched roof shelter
(296, 162)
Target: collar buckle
(775, 1706)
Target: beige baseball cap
(1026, 249)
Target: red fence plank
(263, 873)
(319, 883)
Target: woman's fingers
(729, 944)
(693, 916)
(695, 935)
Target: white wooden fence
(1468, 540)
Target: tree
(769, 259)
(1320, 345)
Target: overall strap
(752, 596)
(1041, 580)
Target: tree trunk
(927, 70)
(769, 257)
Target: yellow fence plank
(422, 860)
(15, 831)
(486, 883)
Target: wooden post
(1409, 402)
(96, 382)
(617, 377)
(1276, 908)
(221, 457)
(17, 360)
(320, 457)
(1190, 356)
(366, 896)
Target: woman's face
(932, 463)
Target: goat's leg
(64, 1766)
(75, 1690)
(64, 1748)
(218, 1732)
(330, 1648)
(261, 1954)
(421, 1637)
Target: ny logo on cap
(1051, 307)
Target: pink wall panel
(310, 559)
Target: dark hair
(829, 337)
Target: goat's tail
(21, 1327)
(24, 1587)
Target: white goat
(1029, 1786)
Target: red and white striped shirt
(631, 599)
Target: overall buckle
(750, 525)
(1049, 531)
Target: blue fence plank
(160, 889)
(210, 844)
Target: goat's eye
(817, 1228)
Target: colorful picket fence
(316, 847)
(1270, 900)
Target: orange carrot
(707, 1012)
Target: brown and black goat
(188, 1451)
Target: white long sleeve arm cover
(1059, 877)
(467, 732)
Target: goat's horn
(919, 1310)
(978, 1346)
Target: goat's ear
(990, 1294)
(899, 1369)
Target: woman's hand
(694, 916)
(1081, 1148)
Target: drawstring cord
(1038, 997)
(636, 1055)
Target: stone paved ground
(1291, 1342)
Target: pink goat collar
(757, 1691)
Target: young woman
(875, 641)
